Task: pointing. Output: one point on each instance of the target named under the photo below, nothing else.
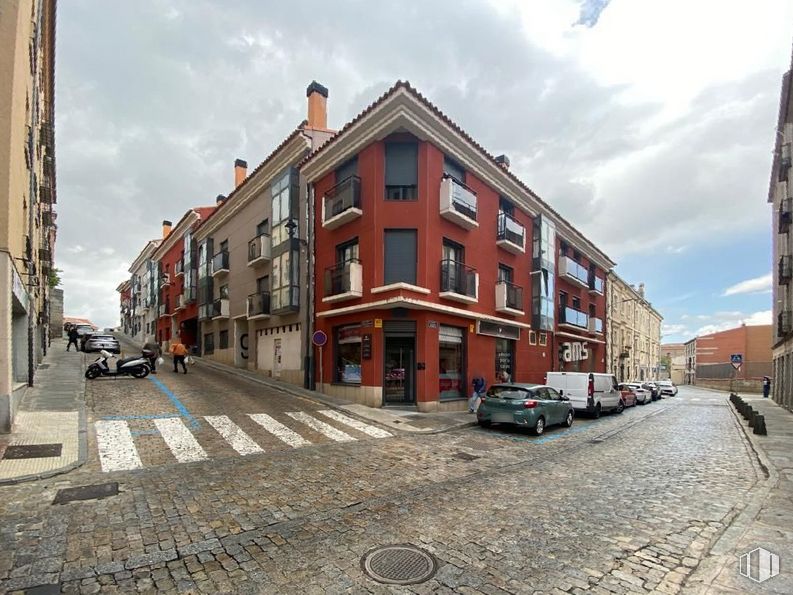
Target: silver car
(667, 387)
(97, 342)
(643, 396)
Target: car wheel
(620, 407)
(141, 372)
(539, 426)
(596, 414)
(568, 421)
(92, 372)
(484, 423)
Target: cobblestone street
(627, 503)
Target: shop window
(347, 347)
(532, 338)
(223, 340)
(505, 359)
(543, 339)
(451, 356)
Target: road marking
(233, 434)
(180, 440)
(117, 451)
(176, 403)
(354, 423)
(321, 427)
(279, 430)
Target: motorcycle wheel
(92, 372)
(141, 372)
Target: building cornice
(176, 234)
(621, 285)
(145, 254)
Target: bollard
(759, 425)
(752, 417)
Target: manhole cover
(102, 490)
(399, 565)
(32, 451)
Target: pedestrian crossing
(118, 451)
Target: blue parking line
(176, 403)
(154, 416)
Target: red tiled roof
(454, 126)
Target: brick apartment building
(713, 367)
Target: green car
(535, 406)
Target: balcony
(596, 325)
(458, 203)
(48, 218)
(343, 281)
(181, 302)
(259, 305)
(165, 280)
(45, 254)
(220, 264)
(511, 234)
(596, 284)
(459, 282)
(342, 203)
(163, 310)
(784, 323)
(785, 215)
(573, 318)
(178, 269)
(259, 250)
(570, 270)
(189, 294)
(509, 298)
(785, 271)
(220, 308)
(45, 194)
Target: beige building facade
(674, 354)
(145, 285)
(27, 193)
(633, 332)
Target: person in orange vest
(179, 352)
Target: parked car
(643, 396)
(535, 406)
(83, 329)
(667, 387)
(98, 342)
(628, 396)
(655, 393)
(590, 392)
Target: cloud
(673, 329)
(728, 320)
(591, 11)
(757, 285)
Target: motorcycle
(137, 366)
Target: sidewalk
(52, 412)
(766, 520)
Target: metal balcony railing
(178, 268)
(785, 214)
(343, 278)
(220, 308)
(595, 284)
(784, 323)
(220, 263)
(573, 317)
(509, 296)
(572, 270)
(595, 325)
(344, 196)
(511, 230)
(785, 271)
(456, 277)
(259, 304)
(259, 248)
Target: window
(577, 256)
(263, 284)
(400, 256)
(563, 300)
(451, 360)
(505, 273)
(576, 303)
(506, 206)
(454, 169)
(282, 209)
(224, 246)
(505, 357)
(223, 340)
(563, 248)
(543, 339)
(263, 227)
(347, 251)
(223, 292)
(347, 341)
(401, 171)
(532, 337)
(285, 279)
(209, 343)
(592, 310)
(347, 170)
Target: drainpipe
(308, 360)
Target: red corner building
(434, 264)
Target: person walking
(479, 390)
(766, 387)
(73, 336)
(151, 350)
(179, 352)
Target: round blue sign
(319, 338)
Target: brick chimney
(503, 161)
(317, 106)
(240, 171)
(166, 228)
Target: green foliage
(55, 277)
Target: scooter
(137, 366)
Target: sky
(649, 124)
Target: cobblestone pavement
(626, 504)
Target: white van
(588, 391)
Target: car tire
(596, 414)
(539, 426)
(620, 407)
(484, 423)
(568, 421)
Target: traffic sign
(319, 338)
(736, 359)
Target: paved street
(234, 487)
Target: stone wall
(739, 386)
(56, 313)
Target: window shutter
(454, 170)
(401, 164)
(400, 256)
(347, 170)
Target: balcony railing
(220, 263)
(459, 282)
(48, 218)
(458, 203)
(509, 298)
(784, 323)
(596, 325)
(511, 234)
(595, 284)
(45, 194)
(178, 268)
(785, 270)
(164, 310)
(342, 203)
(785, 215)
(220, 308)
(343, 281)
(180, 302)
(572, 317)
(259, 305)
(165, 280)
(45, 254)
(190, 294)
(259, 250)
(572, 271)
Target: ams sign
(573, 352)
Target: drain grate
(464, 456)
(32, 451)
(399, 565)
(101, 490)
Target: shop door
(399, 360)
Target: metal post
(321, 375)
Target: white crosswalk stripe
(180, 440)
(279, 430)
(233, 434)
(117, 451)
(354, 423)
(321, 426)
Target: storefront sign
(18, 289)
(573, 352)
(378, 323)
(503, 331)
(366, 346)
(432, 324)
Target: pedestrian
(179, 352)
(476, 397)
(73, 336)
(151, 350)
(766, 386)
(504, 376)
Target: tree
(55, 277)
